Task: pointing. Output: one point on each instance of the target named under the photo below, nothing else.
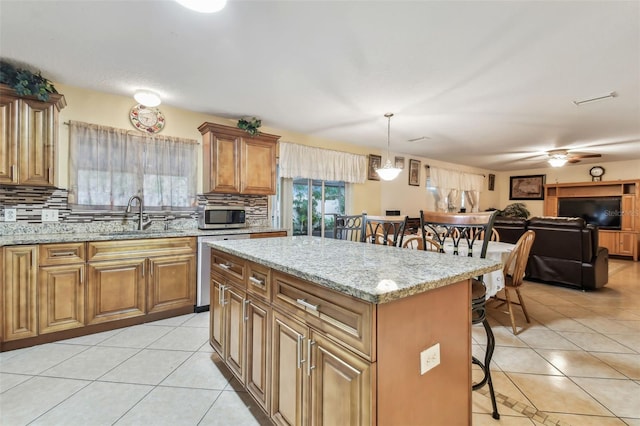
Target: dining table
(496, 250)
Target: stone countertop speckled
(373, 273)
(107, 235)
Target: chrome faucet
(141, 224)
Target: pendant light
(388, 171)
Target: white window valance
(453, 179)
(300, 161)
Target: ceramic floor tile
(97, 404)
(182, 339)
(481, 401)
(199, 320)
(594, 342)
(631, 422)
(630, 340)
(622, 397)
(522, 360)
(234, 408)
(199, 371)
(605, 325)
(137, 336)
(579, 364)
(627, 364)
(547, 339)
(478, 419)
(173, 321)
(92, 363)
(580, 420)
(557, 394)
(24, 403)
(170, 406)
(4, 356)
(92, 339)
(40, 358)
(8, 380)
(567, 324)
(149, 366)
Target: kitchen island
(323, 331)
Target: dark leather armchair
(566, 251)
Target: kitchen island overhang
(345, 325)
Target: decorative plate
(147, 119)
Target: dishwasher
(204, 268)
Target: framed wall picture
(375, 162)
(414, 172)
(526, 187)
(399, 163)
(492, 182)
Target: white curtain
(286, 201)
(450, 183)
(473, 200)
(108, 165)
(322, 164)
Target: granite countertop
(373, 273)
(70, 235)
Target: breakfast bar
(324, 331)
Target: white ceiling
(490, 84)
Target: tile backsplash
(30, 201)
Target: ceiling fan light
(388, 172)
(203, 6)
(147, 98)
(557, 161)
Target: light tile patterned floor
(577, 363)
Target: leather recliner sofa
(565, 250)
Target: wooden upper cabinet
(29, 138)
(235, 162)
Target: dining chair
(463, 230)
(513, 271)
(350, 227)
(385, 230)
(417, 242)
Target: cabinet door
(172, 282)
(19, 289)
(116, 290)
(551, 206)
(627, 241)
(8, 140)
(235, 330)
(37, 142)
(61, 297)
(258, 351)
(225, 164)
(216, 315)
(258, 167)
(288, 378)
(609, 240)
(340, 385)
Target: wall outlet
(49, 215)
(10, 215)
(429, 358)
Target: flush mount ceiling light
(147, 98)
(203, 6)
(388, 172)
(584, 101)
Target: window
(108, 165)
(313, 200)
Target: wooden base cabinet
(171, 281)
(19, 292)
(619, 243)
(61, 298)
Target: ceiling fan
(559, 157)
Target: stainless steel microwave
(221, 217)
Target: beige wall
(619, 170)
(374, 197)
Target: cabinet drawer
(149, 247)
(344, 319)
(259, 280)
(61, 254)
(228, 266)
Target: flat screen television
(601, 211)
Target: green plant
(515, 210)
(24, 82)
(250, 126)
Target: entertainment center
(614, 206)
